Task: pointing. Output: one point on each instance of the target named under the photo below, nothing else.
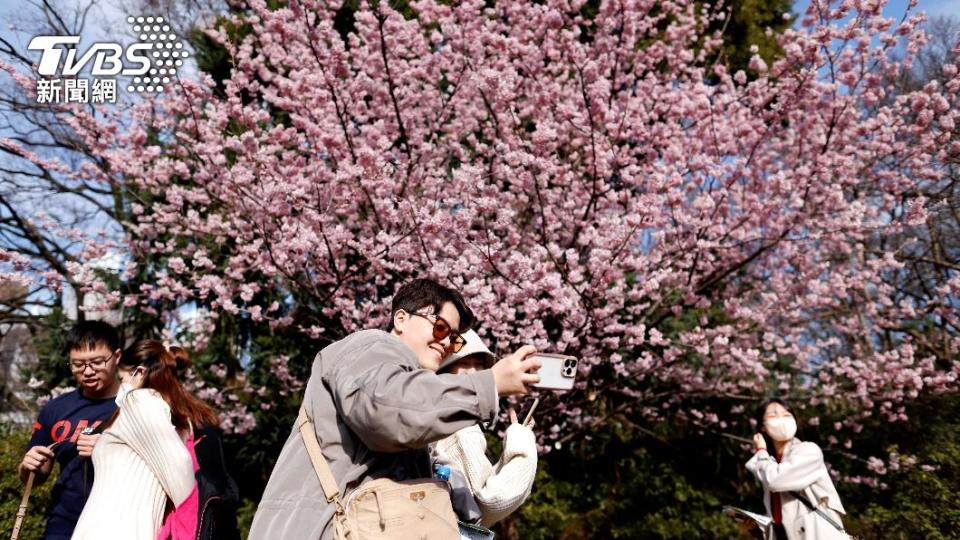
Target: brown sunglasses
(442, 329)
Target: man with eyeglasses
(376, 402)
(91, 348)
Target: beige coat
(375, 412)
(802, 470)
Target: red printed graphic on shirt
(63, 428)
(60, 430)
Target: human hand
(759, 442)
(85, 444)
(513, 419)
(38, 459)
(512, 373)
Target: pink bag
(181, 524)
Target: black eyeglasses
(442, 329)
(96, 364)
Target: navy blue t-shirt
(62, 419)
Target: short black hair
(88, 334)
(422, 292)
(762, 410)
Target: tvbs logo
(106, 57)
(152, 61)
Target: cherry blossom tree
(54, 215)
(595, 184)
(63, 217)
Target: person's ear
(400, 318)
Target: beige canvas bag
(383, 509)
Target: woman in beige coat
(788, 469)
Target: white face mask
(781, 428)
(125, 389)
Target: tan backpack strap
(22, 511)
(320, 465)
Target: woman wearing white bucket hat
(497, 489)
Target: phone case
(529, 407)
(558, 371)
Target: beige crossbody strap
(320, 465)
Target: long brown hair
(163, 367)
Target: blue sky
(933, 7)
(895, 8)
(103, 18)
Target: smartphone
(557, 372)
(526, 410)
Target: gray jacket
(375, 411)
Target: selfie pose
(797, 489)
(492, 491)
(141, 459)
(356, 462)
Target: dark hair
(163, 367)
(421, 293)
(89, 334)
(762, 410)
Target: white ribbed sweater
(138, 463)
(500, 488)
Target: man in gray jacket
(377, 403)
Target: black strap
(837, 526)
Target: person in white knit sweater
(140, 460)
(498, 489)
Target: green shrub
(13, 444)
(922, 501)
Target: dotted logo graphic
(166, 56)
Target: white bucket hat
(473, 345)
